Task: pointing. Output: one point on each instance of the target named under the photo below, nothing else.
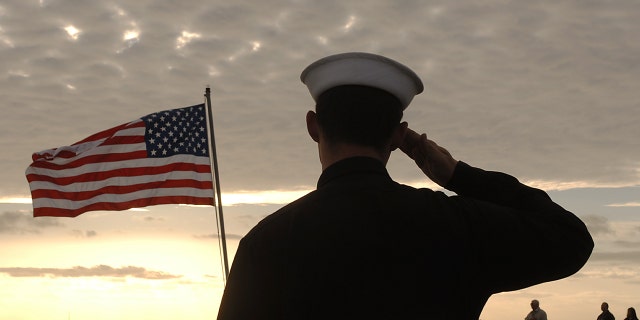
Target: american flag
(161, 158)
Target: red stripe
(84, 195)
(120, 140)
(110, 132)
(62, 154)
(58, 212)
(123, 140)
(110, 140)
(98, 158)
(124, 172)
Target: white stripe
(119, 181)
(135, 131)
(79, 148)
(106, 166)
(119, 198)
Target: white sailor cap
(366, 69)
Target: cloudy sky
(547, 91)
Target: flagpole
(212, 144)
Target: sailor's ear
(312, 126)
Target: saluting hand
(435, 161)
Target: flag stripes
(161, 158)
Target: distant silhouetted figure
(631, 314)
(605, 315)
(536, 313)
(363, 246)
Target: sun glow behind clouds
(20, 200)
(286, 196)
(350, 23)
(131, 35)
(256, 46)
(262, 197)
(228, 199)
(130, 38)
(72, 32)
(185, 38)
(104, 298)
(627, 204)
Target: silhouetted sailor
(362, 246)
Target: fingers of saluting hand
(410, 141)
(421, 150)
(435, 161)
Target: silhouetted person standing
(536, 313)
(605, 315)
(362, 246)
(631, 314)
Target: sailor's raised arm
(520, 236)
(435, 161)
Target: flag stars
(175, 132)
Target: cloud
(96, 271)
(514, 86)
(626, 204)
(627, 271)
(597, 224)
(619, 256)
(151, 219)
(84, 234)
(628, 244)
(21, 223)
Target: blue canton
(177, 131)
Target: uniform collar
(351, 166)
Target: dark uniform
(606, 315)
(362, 246)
